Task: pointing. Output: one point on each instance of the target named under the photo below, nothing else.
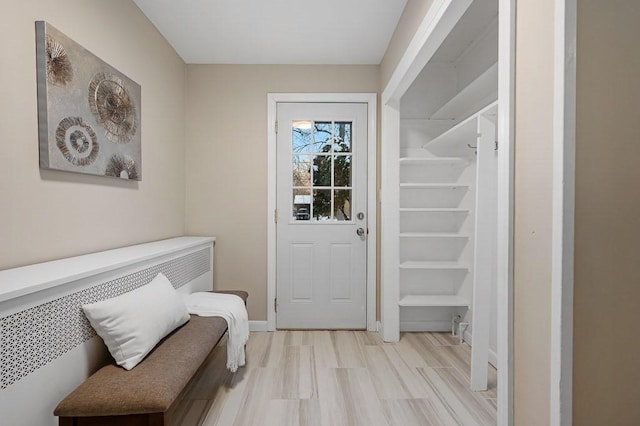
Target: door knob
(360, 232)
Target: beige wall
(607, 226)
(226, 165)
(533, 189)
(46, 214)
(412, 16)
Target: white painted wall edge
(562, 249)
(372, 194)
(493, 356)
(436, 25)
(390, 226)
(504, 249)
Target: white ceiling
(276, 31)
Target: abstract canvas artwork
(88, 112)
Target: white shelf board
(413, 264)
(433, 210)
(465, 132)
(433, 301)
(432, 186)
(432, 235)
(477, 94)
(435, 161)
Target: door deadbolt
(360, 216)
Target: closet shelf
(432, 186)
(432, 235)
(433, 301)
(476, 95)
(463, 133)
(433, 210)
(435, 161)
(454, 266)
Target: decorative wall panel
(88, 112)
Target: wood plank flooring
(341, 378)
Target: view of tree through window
(322, 170)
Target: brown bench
(149, 393)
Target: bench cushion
(154, 384)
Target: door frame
(364, 98)
(562, 248)
(440, 17)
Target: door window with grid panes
(322, 175)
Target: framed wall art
(88, 112)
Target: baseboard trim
(258, 326)
(493, 357)
(434, 326)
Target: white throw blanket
(232, 309)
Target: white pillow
(133, 323)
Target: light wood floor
(341, 378)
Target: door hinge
(276, 126)
(275, 215)
(275, 305)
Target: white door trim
(562, 249)
(371, 100)
(442, 14)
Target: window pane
(301, 136)
(323, 136)
(301, 170)
(322, 170)
(342, 136)
(301, 204)
(342, 204)
(342, 170)
(322, 204)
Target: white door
(321, 215)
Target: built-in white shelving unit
(437, 216)
(446, 178)
(434, 258)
